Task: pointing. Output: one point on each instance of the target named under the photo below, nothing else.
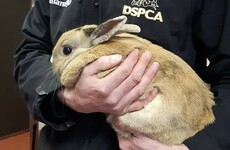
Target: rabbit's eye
(67, 50)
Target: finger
(141, 141)
(119, 125)
(122, 71)
(101, 64)
(137, 140)
(139, 89)
(125, 128)
(133, 79)
(125, 143)
(137, 73)
(140, 104)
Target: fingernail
(155, 66)
(136, 50)
(115, 58)
(148, 54)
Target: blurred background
(17, 128)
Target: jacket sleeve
(212, 34)
(33, 72)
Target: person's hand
(139, 141)
(118, 92)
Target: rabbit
(183, 105)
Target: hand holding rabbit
(93, 94)
(183, 105)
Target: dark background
(14, 117)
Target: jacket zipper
(81, 11)
(98, 4)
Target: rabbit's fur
(184, 103)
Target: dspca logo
(145, 3)
(149, 9)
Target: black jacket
(193, 29)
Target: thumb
(102, 63)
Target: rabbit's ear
(131, 28)
(107, 29)
(111, 27)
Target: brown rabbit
(184, 103)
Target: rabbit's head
(76, 41)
